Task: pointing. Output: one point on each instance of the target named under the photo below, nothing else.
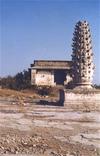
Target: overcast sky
(43, 29)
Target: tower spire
(82, 55)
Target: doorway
(59, 76)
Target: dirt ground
(30, 129)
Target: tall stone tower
(82, 56)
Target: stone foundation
(86, 101)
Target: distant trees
(97, 86)
(20, 81)
(7, 82)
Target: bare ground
(40, 130)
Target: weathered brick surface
(79, 101)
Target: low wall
(82, 101)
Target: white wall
(44, 78)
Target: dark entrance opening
(59, 76)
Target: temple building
(51, 73)
(79, 71)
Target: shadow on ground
(59, 102)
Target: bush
(18, 82)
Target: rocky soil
(31, 129)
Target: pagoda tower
(82, 55)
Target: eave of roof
(38, 67)
(51, 64)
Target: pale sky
(43, 29)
